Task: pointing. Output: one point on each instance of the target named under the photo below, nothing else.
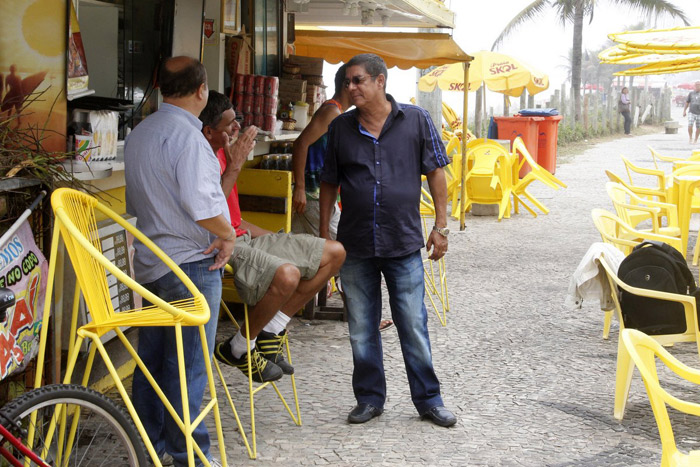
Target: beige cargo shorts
(255, 261)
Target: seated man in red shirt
(275, 273)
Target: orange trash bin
(526, 128)
(548, 134)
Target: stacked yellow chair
(489, 176)
(75, 223)
(644, 350)
(623, 378)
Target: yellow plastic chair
(253, 389)
(633, 210)
(623, 377)
(614, 231)
(537, 172)
(660, 176)
(75, 224)
(434, 272)
(643, 192)
(624, 237)
(656, 157)
(686, 209)
(489, 176)
(644, 351)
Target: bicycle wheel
(74, 426)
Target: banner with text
(24, 270)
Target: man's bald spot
(175, 64)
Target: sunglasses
(357, 80)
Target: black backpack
(655, 266)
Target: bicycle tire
(44, 401)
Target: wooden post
(478, 117)
(465, 114)
(596, 116)
(586, 122)
(506, 106)
(523, 99)
(556, 99)
(530, 102)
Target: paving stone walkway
(530, 381)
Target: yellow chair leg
(623, 380)
(606, 324)
(251, 445)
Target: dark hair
(624, 89)
(340, 79)
(216, 106)
(374, 65)
(180, 76)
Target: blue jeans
(158, 352)
(361, 281)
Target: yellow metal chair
(434, 272)
(623, 377)
(251, 444)
(644, 351)
(633, 210)
(75, 224)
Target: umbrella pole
(465, 114)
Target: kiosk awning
(404, 50)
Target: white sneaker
(215, 462)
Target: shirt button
(377, 162)
(376, 225)
(377, 204)
(377, 182)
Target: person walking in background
(692, 104)
(624, 106)
(376, 155)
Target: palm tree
(574, 11)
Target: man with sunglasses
(376, 155)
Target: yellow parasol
(500, 72)
(659, 51)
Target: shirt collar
(169, 108)
(396, 109)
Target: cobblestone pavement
(531, 382)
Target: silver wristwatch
(444, 231)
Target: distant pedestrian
(376, 155)
(692, 103)
(624, 106)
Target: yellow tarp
(404, 50)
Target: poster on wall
(33, 67)
(24, 270)
(77, 63)
(230, 16)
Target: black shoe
(363, 413)
(262, 370)
(270, 346)
(440, 416)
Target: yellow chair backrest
(644, 351)
(659, 157)
(632, 209)
(624, 237)
(658, 174)
(75, 216)
(538, 171)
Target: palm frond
(655, 8)
(532, 10)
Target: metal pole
(465, 114)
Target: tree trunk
(576, 59)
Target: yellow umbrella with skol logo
(500, 72)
